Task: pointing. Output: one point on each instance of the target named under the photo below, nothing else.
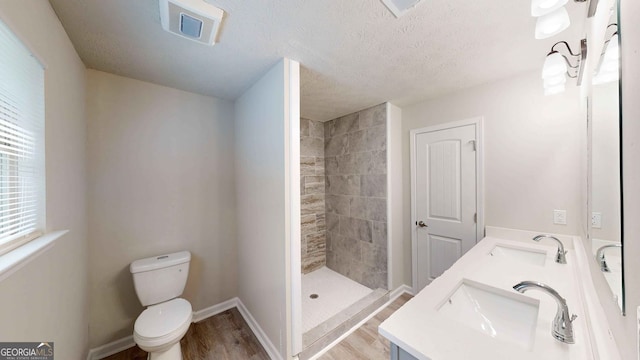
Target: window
(21, 143)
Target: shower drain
(313, 296)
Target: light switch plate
(560, 217)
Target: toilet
(159, 281)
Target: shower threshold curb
(325, 333)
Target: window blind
(21, 143)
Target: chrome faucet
(562, 329)
(600, 256)
(560, 256)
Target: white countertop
(423, 332)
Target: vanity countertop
(422, 331)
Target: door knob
(422, 224)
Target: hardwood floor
(365, 343)
(227, 336)
(223, 336)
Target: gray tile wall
(312, 191)
(355, 150)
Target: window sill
(20, 256)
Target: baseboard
(399, 291)
(111, 348)
(268, 346)
(214, 310)
(114, 347)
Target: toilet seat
(162, 323)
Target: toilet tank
(160, 278)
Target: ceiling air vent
(192, 19)
(400, 7)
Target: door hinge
(475, 218)
(473, 144)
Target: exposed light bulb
(552, 23)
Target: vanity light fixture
(609, 66)
(553, 90)
(552, 23)
(554, 64)
(557, 67)
(543, 7)
(555, 85)
(553, 17)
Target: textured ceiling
(354, 53)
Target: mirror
(605, 200)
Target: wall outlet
(596, 220)
(560, 217)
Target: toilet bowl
(158, 282)
(160, 327)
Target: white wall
(263, 144)
(47, 299)
(532, 148)
(605, 160)
(395, 225)
(161, 179)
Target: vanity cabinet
(398, 354)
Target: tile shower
(343, 182)
(312, 195)
(356, 196)
(343, 185)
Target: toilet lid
(161, 319)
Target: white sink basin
(503, 315)
(529, 256)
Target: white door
(444, 199)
